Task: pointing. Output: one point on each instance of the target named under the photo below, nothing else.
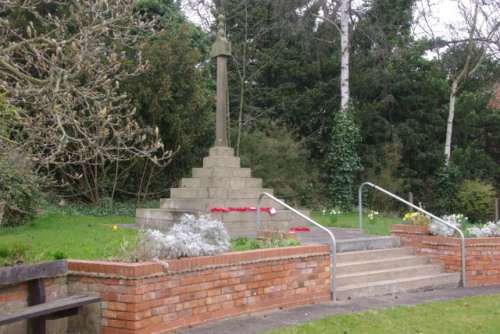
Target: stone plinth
(220, 183)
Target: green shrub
(60, 255)
(19, 187)
(383, 172)
(255, 244)
(277, 157)
(475, 200)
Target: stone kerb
(155, 297)
(482, 255)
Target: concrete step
(392, 286)
(349, 243)
(345, 268)
(349, 239)
(388, 273)
(374, 254)
(371, 243)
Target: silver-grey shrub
(490, 229)
(438, 228)
(190, 237)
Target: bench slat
(48, 308)
(17, 274)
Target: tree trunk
(344, 42)
(449, 124)
(242, 87)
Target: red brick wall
(147, 297)
(15, 296)
(482, 255)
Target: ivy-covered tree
(342, 162)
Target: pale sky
(443, 13)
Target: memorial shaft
(221, 49)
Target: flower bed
(482, 255)
(163, 297)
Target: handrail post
(360, 208)
(333, 248)
(418, 209)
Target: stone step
(205, 205)
(221, 162)
(222, 172)
(159, 219)
(388, 274)
(220, 151)
(163, 219)
(392, 286)
(250, 228)
(221, 182)
(282, 220)
(280, 215)
(218, 193)
(344, 268)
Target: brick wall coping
(439, 240)
(469, 242)
(123, 270)
(413, 229)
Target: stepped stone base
(220, 183)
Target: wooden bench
(39, 310)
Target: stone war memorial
(221, 188)
(170, 295)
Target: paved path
(267, 321)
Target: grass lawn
(75, 232)
(379, 226)
(478, 314)
(56, 236)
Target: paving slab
(267, 321)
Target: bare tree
(61, 64)
(475, 33)
(333, 12)
(481, 23)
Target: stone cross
(221, 49)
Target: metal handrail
(333, 249)
(360, 202)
